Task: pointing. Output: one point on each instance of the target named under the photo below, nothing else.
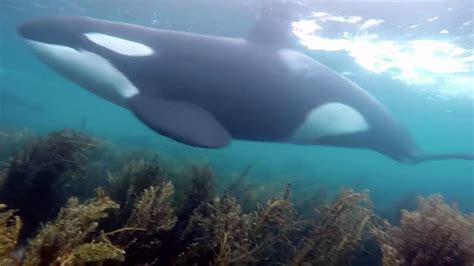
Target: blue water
(435, 104)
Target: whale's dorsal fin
(182, 121)
(273, 26)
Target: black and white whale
(204, 90)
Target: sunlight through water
(439, 65)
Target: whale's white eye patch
(119, 45)
(329, 119)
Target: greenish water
(439, 115)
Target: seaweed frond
(274, 226)
(194, 186)
(10, 226)
(238, 184)
(434, 234)
(3, 174)
(200, 189)
(221, 234)
(13, 141)
(93, 252)
(62, 241)
(152, 215)
(34, 175)
(200, 186)
(59, 152)
(342, 227)
(153, 210)
(126, 186)
(135, 176)
(247, 194)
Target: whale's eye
(119, 45)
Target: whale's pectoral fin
(182, 121)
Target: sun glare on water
(440, 66)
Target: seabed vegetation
(71, 199)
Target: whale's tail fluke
(423, 157)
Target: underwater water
(415, 57)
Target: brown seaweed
(200, 188)
(434, 234)
(134, 177)
(36, 175)
(168, 216)
(275, 226)
(126, 185)
(152, 214)
(72, 238)
(341, 229)
(247, 194)
(195, 187)
(13, 141)
(152, 210)
(220, 233)
(10, 226)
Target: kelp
(199, 188)
(94, 170)
(13, 141)
(10, 226)
(275, 226)
(194, 186)
(249, 194)
(196, 183)
(35, 175)
(183, 215)
(134, 177)
(241, 189)
(340, 230)
(152, 210)
(93, 252)
(128, 184)
(223, 235)
(72, 238)
(220, 233)
(434, 234)
(152, 214)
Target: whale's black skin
(230, 88)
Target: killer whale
(205, 90)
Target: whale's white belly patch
(119, 45)
(327, 120)
(87, 69)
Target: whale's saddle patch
(182, 121)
